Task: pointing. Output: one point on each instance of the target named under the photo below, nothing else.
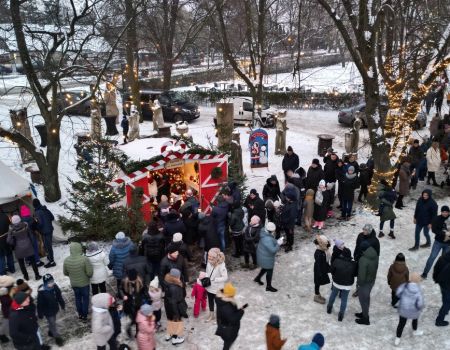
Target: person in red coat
(199, 293)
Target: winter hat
(155, 282)
(365, 245)
(270, 227)
(20, 297)
(276, 204)
(415, 278)
(172, 248)
(255, 220)
(36, 203)
(289, 149)
(120, 235)
(368, 228)
(48, 278)
(273, 178)
(445, 208)
(24, 211)
(229, 290)
(164, 198)
(351, 168)
(92, 247)
(177, 237)
(339, 243)
(253, 191)
(319, 340)
(400, 257)
(175, 273)
(132, 274)
(146, 310)
(316, 161)
(274, 320)
(6, 281)
(322, 183)
(16, 219)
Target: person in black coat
(49, 301)
(255, 206)
(179, 245)
(343, 272)
(340, 173)
(153, 245)
(228, 315)
(173, 260)
(291, 161)
(208, 236)
(5, 248)
(321, 267)
(314, 175)
(173, 225)
(350, 183)
(288, 215)
(441, 275)
(271, 189)
(190, 221)
(368, 234)
(330, 167)
(125, 128)
(364, 181)
(138, 263)
(174, 302)
(23, 325)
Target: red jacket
(198, 291)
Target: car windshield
(177, 96)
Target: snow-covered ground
(300, 316)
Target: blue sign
(259, 148)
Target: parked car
(5, 70)
(175, 106)
(243, 111)
(68, 98)
(347, 116)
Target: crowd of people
(153, 274)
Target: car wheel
(177, 118)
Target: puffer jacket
(156, 296)
(228, 317)
(145, 337)
(237, 220)
(119, 252)
(77, 267)
(49, 301)
(368, 267)
(153, 246)
(99, 262)
(173, 225)
(23, 327)
(138, 263)
(19, 237)
(411, 300)
(426, 209)
(398, 273)
(102, 323)
(218, 276)
(266, 250)
(174, 302)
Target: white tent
(12, 185)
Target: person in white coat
(99, 261)
(433, 162)
(102, 323)
(217, 273)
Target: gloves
(280, 240)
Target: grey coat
(102, 323)
(411, 300)
(19, 237)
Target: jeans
(9, 262)
(445, 308)
(344, 296)
(221, 234)
(35, 243)
(347, 208)
(48, 245)
(98, 288)
(364, 298)
(82, 300)
(52, 326)
(437, 247)
(426, 232)
(402, 324)
(269, 274)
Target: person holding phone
(228, 315)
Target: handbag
(206, 281)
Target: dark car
(175, 106)
(5, 70)
(347, 116)
(69, 98)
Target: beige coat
(433, 159)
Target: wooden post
(20, 123)
(224, 123)
(96, 124)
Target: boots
(210, 317)
(319, 299)
(340, 316)
(4, 339)
(258, 280)
(397, 341)
(177, 340)
(271, 289)
(59, 341)
(363, 321)
(391, 234)
(381, 234)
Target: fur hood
(226, 299)
(173, 280)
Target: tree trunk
(167, 73)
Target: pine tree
(136, 220)
(92, 202)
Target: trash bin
(349, 142)
(42, 130)
(325, 142)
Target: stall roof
(13, 185)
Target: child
(145, 320)
(49, 300)
(364, 181)
(102, 323)
(125, 127)
(410, 306)
(273, 338)
(6, 284)
(321, 202)
(155, 294)
(199, 293)
(398, 274)
(321, 266)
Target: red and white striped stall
(197, 170)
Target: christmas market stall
(177, 169)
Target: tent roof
(13, 185)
